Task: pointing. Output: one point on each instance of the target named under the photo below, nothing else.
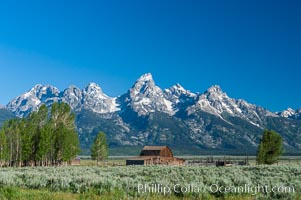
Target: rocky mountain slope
(194, 123)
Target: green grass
(120, 160)
(42, 194)
(121, 182)
(110, 162)
(11, 193)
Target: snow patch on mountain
(179, 97)
(290, 113)
(287, 113)
(145, 97)
(72, 96)
(217, 102)
(95, 100)
(31, 100)
(91, 98)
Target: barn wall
(134, 162)
(150, 153)
(165, 152)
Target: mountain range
(191, 123)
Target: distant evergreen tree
(270, 148)
(99, 149)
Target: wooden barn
(155, 155)
(75, 161)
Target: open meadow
(151, 182)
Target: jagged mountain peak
(38, 88)
(32, 99)
(215, 93)
(290, 113)
(217, 102)
(287, 113)
(94, 91)
(41, 86)
(290, 109)
(145, 97)
(93, 98)
(215, 89)
(178, 87)
(145, 77)
(145, 86)
(90, 98)
(174, 116)
(73, 96)
(42, 92)
(71, 87)
(93, 86)
(178, 95)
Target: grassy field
(120, 160)
(10, 193)
(135, 182)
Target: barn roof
(155, 155)
(153, 148)
(150, 157)
(142, 158)
(156, 151)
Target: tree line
(46, 137)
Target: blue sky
(252, 49)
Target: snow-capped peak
(178, 87)
(32, 100)
(179, 90)
(215, 89)
(36, 87)
(93, 85)
(91, 98)
(145, 97)
(217, 102)
(179, 96)
(73, 96)
(215, 93)
(145, 77)
(144, 85)
(94, 99)
(93, 89)
(289, 112)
